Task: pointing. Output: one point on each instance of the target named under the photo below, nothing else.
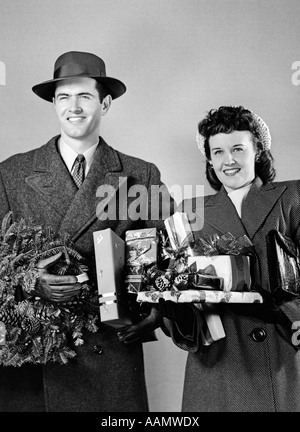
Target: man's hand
(135, 332)
(54, 287)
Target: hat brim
(46, 89)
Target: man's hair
(101, 90)
(227, 119)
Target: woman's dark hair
(227, 119)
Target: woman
(256, 367)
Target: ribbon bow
(205, 278)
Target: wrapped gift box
(179, 231)
(200, 296)
(180, 235)
(205, 300)
(233, 270)
(141, 249)
(110, 257)
(212, 328)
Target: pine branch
(6, 222)
(38, 331)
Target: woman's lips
(231, 171)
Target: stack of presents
(151, 264)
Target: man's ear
(106, 103)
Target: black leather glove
(182, 313)
(142, 331)
(183, 322)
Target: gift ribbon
(108, 302)
(185, 242)
(82, 277)
(134, 269)
(241, 279)
(140, 252)
(130, 236)
(133, 283)
(205, 278)
(133, 278)
(2, 333)
(227, 244)
(207, 281)
(208, 270)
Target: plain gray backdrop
(178, 59)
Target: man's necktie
(78, 171)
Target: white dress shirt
(237, 197)
(69, 156)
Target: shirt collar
(69, 155)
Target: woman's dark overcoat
(256, 367)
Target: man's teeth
(75, 119)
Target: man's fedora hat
(76, 64)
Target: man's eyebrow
(85, 93)
(62, 94)
(77, 94)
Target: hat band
(73, 69)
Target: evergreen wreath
(32, 329)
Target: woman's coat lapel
(221, 215)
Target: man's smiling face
(78, 109)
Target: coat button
(98, 349)
(258, 334)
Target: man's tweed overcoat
(37, 184)
(238, 373)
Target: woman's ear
(257, 156)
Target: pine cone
(43, 311)
(9, 315)
(181, 281)
(162, 283)
(30, 325)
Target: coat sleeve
(160, 202)
(4, 204)
(290, 308)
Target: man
(51, 186)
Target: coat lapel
(53, 182)
(51, 178)
(105, 170)
(258, 204)
(221, 217)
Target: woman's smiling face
(232, 156)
